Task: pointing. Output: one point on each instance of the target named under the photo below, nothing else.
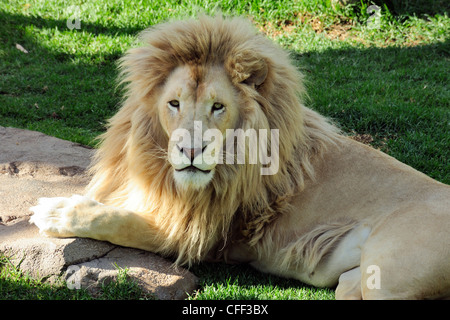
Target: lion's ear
(257, 76)
(246, 67)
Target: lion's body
(334, 209)
(388, 215)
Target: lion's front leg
(64, 217)
(80, 216)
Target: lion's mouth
(192, 169)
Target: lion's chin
(192, 178)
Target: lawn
(384, 81)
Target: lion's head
(204, 76)
(191, 105)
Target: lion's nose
(192, 153)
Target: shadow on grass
(58, 92)
(415, 7)
(21, 290)
(61, 24)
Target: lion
(334, 212)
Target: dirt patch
(377, 142)
(340, 28)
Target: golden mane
(131, 169)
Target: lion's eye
(217, 107)
(174, 103)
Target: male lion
(333, 212)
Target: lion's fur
(131, 170)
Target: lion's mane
(131, 169)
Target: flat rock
(155, 275)
(33, 165)
(45, 257)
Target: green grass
(388, 83)
(15, 284)
(238, 282)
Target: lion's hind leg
(349, 287)
(319, 256)
(407, 256)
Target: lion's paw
(58, 217)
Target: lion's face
(195, 109)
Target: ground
(384, 81)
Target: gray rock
(33, 165)
(44, 257)
(153, 274)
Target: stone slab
(33, 165)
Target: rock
(33, 165)
(44, 257)
(168, 283)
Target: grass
(238, 282)
(15, 284)
(389, 84)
